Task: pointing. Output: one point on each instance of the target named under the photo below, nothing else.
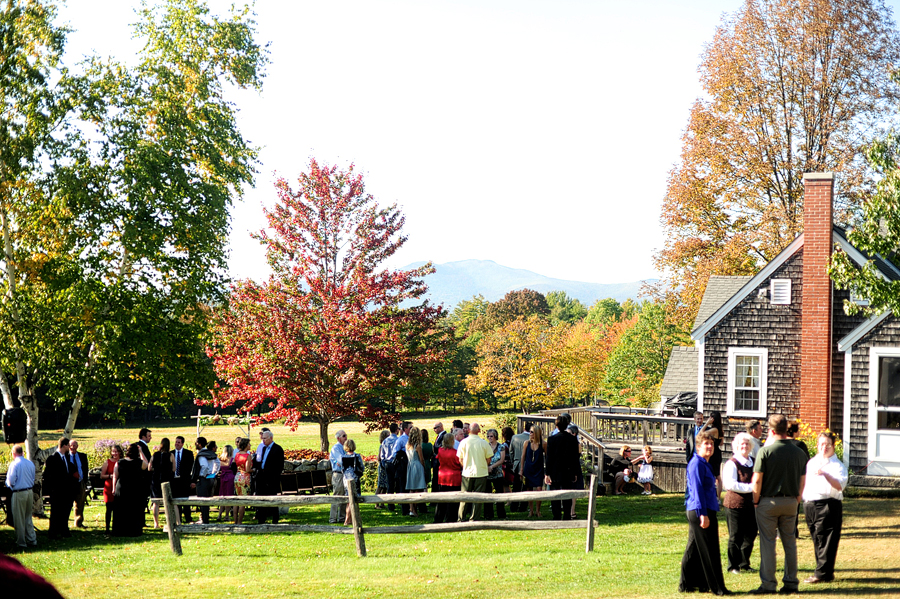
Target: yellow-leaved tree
(791, 86)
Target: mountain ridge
(453, 282)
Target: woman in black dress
(128, 482)
(163, 467)
(714, 425)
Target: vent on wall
(780, 291)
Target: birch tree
(115, 184)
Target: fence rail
(175, 529)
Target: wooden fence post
(173, 518)
(353, 506)
(592, 505)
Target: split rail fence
(358, 530)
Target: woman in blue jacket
(701, 566)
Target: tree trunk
(79, 395)
(323, 432)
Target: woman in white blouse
(737, 474)
(826, 478)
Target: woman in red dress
(244, 462)
(106, 475)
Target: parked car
(682, 405)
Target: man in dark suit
(268, 475)
(81, 470)
(144, 437)
(181, 482)
(690, 438)
(59, 483)
(563, 467)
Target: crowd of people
(132, 475)
(761, 487)
(500, 462)
(764, 486)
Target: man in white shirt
(20, 480)
(474, 453)
(338, 510)
(754, 429)
(826, 479)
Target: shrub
(503, 419)
(370, 476)
(810, 437)
(97, 458)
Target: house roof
(719, 290)
(681, 373)
(887, 269)
(700, 332)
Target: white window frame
(883, 444)
(786, 287)
(763, 354)
(859, 301)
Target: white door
(884, 411)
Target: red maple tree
(332, 333)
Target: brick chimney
(815, 336)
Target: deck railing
(591, 447)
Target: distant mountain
(456, 281)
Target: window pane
(746, 400)
(746, 369)
(889, 381)
(889, 420)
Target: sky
(537, 134)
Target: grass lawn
(637, 554)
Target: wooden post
(592, 505)
(173, 518)
(355, 521)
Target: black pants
(264, 487)
(561, 509)
(742, 533)
(398, 480)
(204, 489)
(60, 510)
(517, 487)
(182, 488)
(701, 565)
(446, 512)
(824, 519)
(495, 485)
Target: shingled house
(781, 342)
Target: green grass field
(638, 549)
(639, 543)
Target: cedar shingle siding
(757, 323)
(885, 334)
(842, 325)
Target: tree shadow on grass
(613, 510)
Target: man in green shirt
(778, 478)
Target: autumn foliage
(332, 333)
(792, 86)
